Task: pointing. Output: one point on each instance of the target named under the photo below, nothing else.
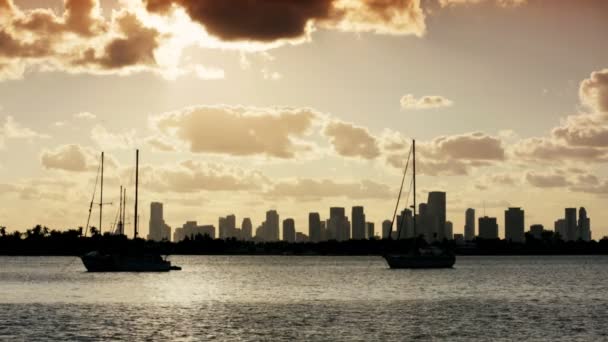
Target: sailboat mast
(124, 209)
(414, 181)
(101, 195)
(120, 212)
(136, 189)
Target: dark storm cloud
(271, 20)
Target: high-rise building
(272, 225)
(584, 225)
(223, 228)
(370, 231)
(570, 217)
(469, 226)
(314, 227)
(514, 225)
(449, 230)
(158, 230)
(358, 222)
(289, 230)
(246, 229)
(338, 226)
(559, 227)
(488, 228)
(405, 225)
(301, 237)
(387, 228)
(536, 230)
(436, 209)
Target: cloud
(446, 155)
(239, 131)
(593, 91)
(11, 129)
(548, 150)
(349, 140)
(80, 40)
(503, 3)
(271, 21)
(426, 102)
(85, 116)
(191, 176)
(72, 158)
(547, 180)
(312, 189)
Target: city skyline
(314, 115)
(338, 227)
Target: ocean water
(285, 298)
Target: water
(307, 298)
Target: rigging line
(401, 189)
(407, 200)
(92, 200)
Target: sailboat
(132, 261)
(423, 257)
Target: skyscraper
(559, 227)
(488, 228)
(514, 225)
(158, 230)
(387, 228)
(358, 222)
(469, 226)
(246, 229)
(289, 230)
(436, 208)
(370, 231)
(314, 227)
(338, 226)
(584, 225)
(223, 228)
(570, 217)
(272, 225)
(449, 230)
(405, 225)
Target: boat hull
(399, 261)
(118, 263)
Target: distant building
(449, 230)
(370, 232)
(191, 229)
(358, 223)
(387, 228)
(536, 230)
(570, 217)
(559, 227)
(437, 210)
(338, 225)
(584, 225)
(158, 229)
(469, 226)
(301, 237)
(314, 227)
(488, 228)
(246, 229)
(405, 224)
(289, 230)
(269, 230)
(514, 225)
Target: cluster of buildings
(430, 222)
(568, 228)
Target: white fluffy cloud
(240, 131)
(409, 101)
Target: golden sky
(244, 106)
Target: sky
(238, 107)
